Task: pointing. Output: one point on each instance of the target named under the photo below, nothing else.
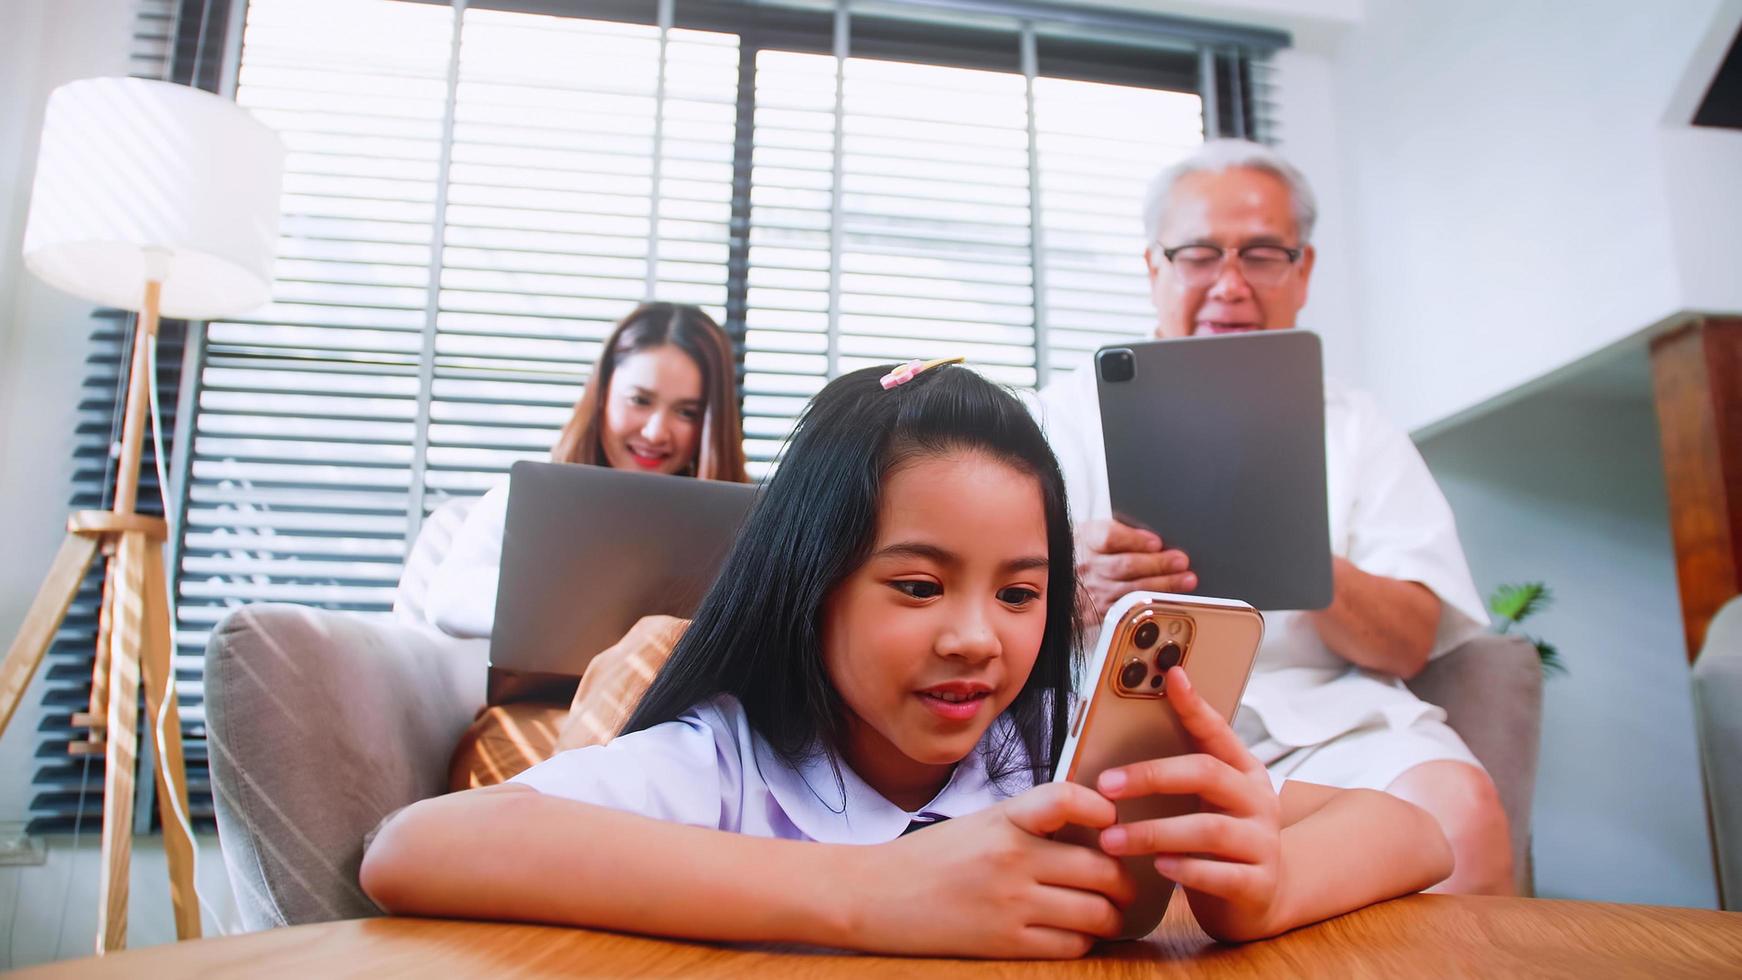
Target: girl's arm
(1348, 848)
(1255, 865)
(511, 852)
(989, 884)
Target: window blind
(1093, 170)
(591, 166)
(932, 253)
(152, 47)
(476, 192)
(466, 213)
(307, 408)
(903, 209)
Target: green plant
(1513, 604)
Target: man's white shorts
(1366, 758)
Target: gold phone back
(1117, 729)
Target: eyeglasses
(1261, 265)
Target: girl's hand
(1228, 855)
(991, 884)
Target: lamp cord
(199, 45)
(181, 815)
(72, 862)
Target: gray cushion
(320, 724)
(1491, 688)
(1718, 714)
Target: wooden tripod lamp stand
(155, 198)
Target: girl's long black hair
(758, 633)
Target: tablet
(588, 551)
(1217, 444)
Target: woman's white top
(462, 592)
(1387, 517)
(708, 768)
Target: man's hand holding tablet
(1114, 559)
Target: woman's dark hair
(720, 455)
(758, 633)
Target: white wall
(42, 332)
(1525, 194)
(1506, 188)
(1703, 181)
(1702, 170)
(48, 911)
(1567, 487)
(1309, 133)
(1512, 180)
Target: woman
(663, 398)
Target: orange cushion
(616, 680)
(508, 739)
(505, 741)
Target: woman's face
(653, 412)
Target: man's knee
(1463, 800)
(1456, 792)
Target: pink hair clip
(907, 372)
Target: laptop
(1217, 444)
(588, 551)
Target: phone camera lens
(1146, 635)
(1132, 674)
(1168, 656)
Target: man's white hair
(1216, 156)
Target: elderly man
(1229, 230)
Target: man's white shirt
(1387, 517)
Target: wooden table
(1424, 935)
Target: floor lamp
(159, 199)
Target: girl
(663, 398)
(889, 649)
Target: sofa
(320, 724)
(1717, 684)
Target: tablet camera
(1117, 365)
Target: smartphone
(1122, 713)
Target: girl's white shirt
(462, 592)
(709, 768)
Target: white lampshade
(135, 171)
